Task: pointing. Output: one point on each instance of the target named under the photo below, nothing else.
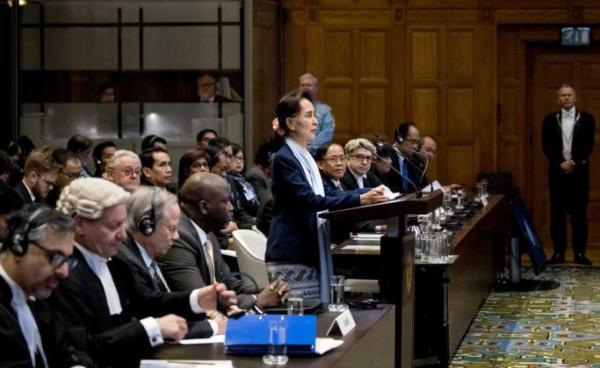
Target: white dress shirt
(31, 195)
(99, 266)
(29, 327)
(359, 178)
(567, 124)
(208, 251)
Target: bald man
(195, 259)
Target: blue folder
(250, 334)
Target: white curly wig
(88, 197)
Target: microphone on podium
(418, 193)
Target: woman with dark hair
(153, 140)
(298, 247)
(244, 192)
(220, 152)
(101, 154)
(192, 162)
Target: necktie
(30, 331)
(159, 282)
(404, 171)
(207, 247)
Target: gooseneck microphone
(418, 193)
(422, 170)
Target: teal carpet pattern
(556, 328)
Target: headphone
(401, 131)
(19, 239)
(147, 224)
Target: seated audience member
(6, 166)
(404, 160)
(244, 192)
(207, 90)
(204, 137)
(10, 203)
(124, 169)
(154, 141)
(14, 152)
(382, 163)
(33, 260)
(220, 152)
(107, 93)
(191, 163)
(428, 151)
(360, 156)
(259, 175)
(195, 259)
(70, 169)
(82, 146)
(152, 218)
(39, 176)
(331, 159)
(102, 152)
(156, 167)
(101, 300)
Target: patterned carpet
(556, 328)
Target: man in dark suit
(407, 138)
(567, 142)
(102, 302)
(360, 156)
(152, 218)
(331, 160)
(195, 259)
(39, 176)
(33, 260)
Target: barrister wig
(88, 197)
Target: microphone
(423, 171)
(418, 193)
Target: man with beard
(33, 259)
(39, 176)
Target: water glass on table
(277, 349)
(336, 289)
(295, 305)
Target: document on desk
(363, 249)
(324, 344)
(155, 363)
(217, 339)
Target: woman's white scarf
(311, 171)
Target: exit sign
(575, 36)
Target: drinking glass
(460, 199)
(294, 306)
(447, 204)
(277, 349)
(336, 288)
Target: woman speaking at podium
(298, 247)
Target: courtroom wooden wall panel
(425, 52)
(460, 111)
(460, 53)
(425, 109)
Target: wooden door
(549, 69)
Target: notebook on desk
(249, 335)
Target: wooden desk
(370, 344)
(449, 297)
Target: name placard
(342, 324)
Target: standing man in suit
(39, 176)
(360, 156)
(195, 259)
(325, 119)
(33, 260)
(567, 142)
(102, 301)
(152, 218)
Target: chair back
(250, 248)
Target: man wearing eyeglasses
(39, 176)
(124, 168)
(34, 258)
(102, 301)
(70, 169)
(360, 157)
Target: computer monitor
(532, 242)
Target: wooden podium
(397, 264)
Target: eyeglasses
(237, 158)
(57, 258)
(200, 164)
(363, 158)
(337, 159)
(131, 172)
(71, 175)
(49, 183)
